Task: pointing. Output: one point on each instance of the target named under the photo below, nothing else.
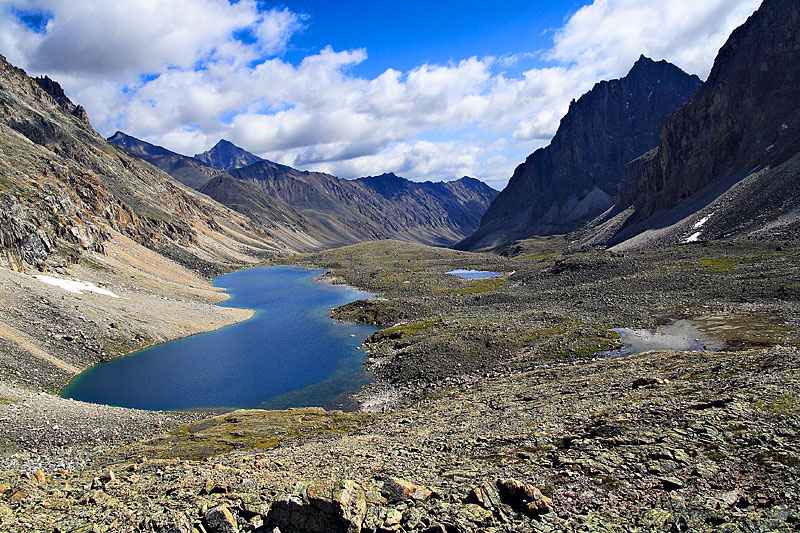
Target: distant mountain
(578, 175)
(323, 210)
(185, 169)
(64, 191)
(337, 211)
(226, 156)
(728, 160)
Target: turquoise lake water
(474, 274)
(290, 354)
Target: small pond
(683, 335)
(474, 274)
(290, 354)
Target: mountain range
(652, 158)
(65, 190)
(329, 210)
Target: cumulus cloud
(610, 34)
(185, 73)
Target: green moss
(94, 265)
(404, 330)
(245, 430)
(786, 405)
(482, 285)
(720, 264)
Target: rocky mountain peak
(137, 146)
(226, 156)
(579, 174)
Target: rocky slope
(727, 161)
(225, 156)
(578, 175)
(65, 189)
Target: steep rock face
(744, 118)
(63, 190)
(226, 156)
(578, 175)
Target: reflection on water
(683, 335)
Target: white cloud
(186, 72)
(610, 34)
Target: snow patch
(693, 237)
(74, 286)
(702, 221)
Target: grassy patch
(786, 405)
(245, 430)
(719, 264)
(401, 331)
(600, 341)
(482, 285)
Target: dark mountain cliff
(578, 175)
(65, 190)
(226, 156)
(53, 88)
(743, 122)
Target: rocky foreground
(497, 407)
(656, 442)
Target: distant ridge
(185, 169)
(334, 211)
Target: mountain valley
(502, 404)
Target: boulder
(220, 520)
(337, 507)
(524, 498)
(397, 490)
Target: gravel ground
(43, 431)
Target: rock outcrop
(53, 88)
(730, 153)
(578, 175)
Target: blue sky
(429, 90)
(404, 35)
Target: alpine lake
(289, 354)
